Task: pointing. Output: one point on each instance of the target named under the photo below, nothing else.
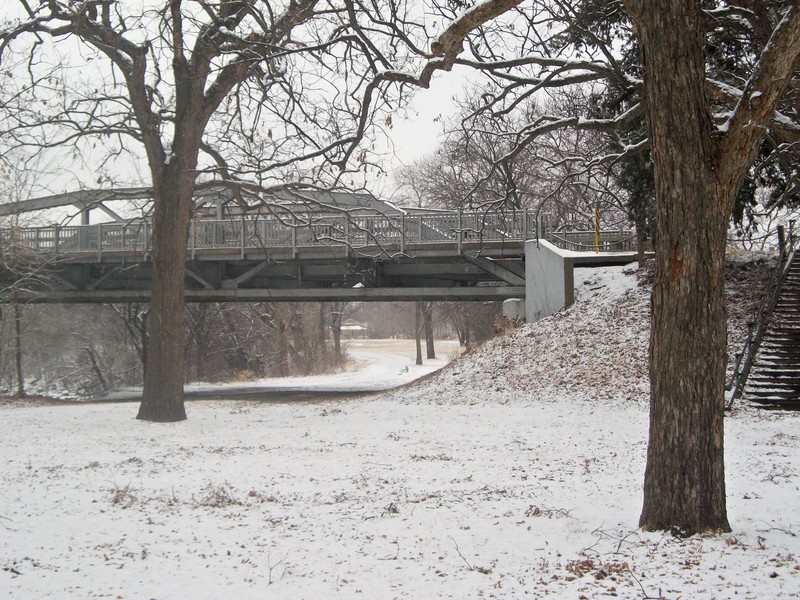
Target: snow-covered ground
(514, 472)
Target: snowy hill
(594, 351)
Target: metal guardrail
(345, 230)
(585, 241)
(248, 232)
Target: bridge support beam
(350, 294)
(549, 283)
(550, 279)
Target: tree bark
(162, 396)
(418, 331)
(698, 170)
(18, 347)
(684, 484)
(430, 351)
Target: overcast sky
(418, 135)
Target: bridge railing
(583, 241)
(350, 230)
(256, 231)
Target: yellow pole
(597, 228)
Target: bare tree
(701, 149)
(134, 316)
(476, 166)
(21, 270)
(703, 134)
(685, 481)
(252, 94)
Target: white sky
(419, 134)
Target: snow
(513, 472)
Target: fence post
(597, 228)
(402, 233)
(99, 241)
(524, 224)
(294, 242)
(346, 236)
(57, 235)
(460, 233)
(241, 236)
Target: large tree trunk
(18, 347)
(337, 316)
(418, 331)
(698, 170)
(430, 350)
(162, 398)
(684, 484)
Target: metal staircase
(767, 372)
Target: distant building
(298, 202)
(353, 330)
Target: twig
(645, 595)
(466, 562)
(773, 528)
(272, 566)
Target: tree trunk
(418, 331)
(18, 347)
(640, 242)
(201, 343)
(698, 170)
(96, 368)
(684, 484)
(162, 397)
(321, 328)
(336, 330)
(430, 351)
(283, 348)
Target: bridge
(285, 255)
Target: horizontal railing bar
(256, 231)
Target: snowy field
(514, 472)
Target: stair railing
(757, 327)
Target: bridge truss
(466, 256)
(283, 255)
